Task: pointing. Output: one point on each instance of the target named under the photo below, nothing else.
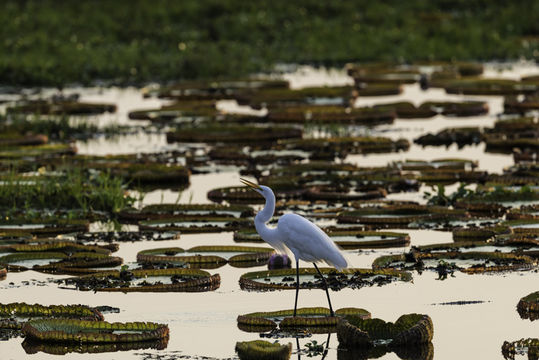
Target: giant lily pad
(123, 236)
(59, 107)
(408, 330)
(522, 346)
(473, 86)
(528, 306)
(199, 224)
(285, 279)
(311, 318)
(461, 136)
(347, 144)
(209, 256)
(154, 280)
(37, 151)
(158, 211)
(81, 331)
(233, 133)
(263, 350)
(330, 114)
(44, 227)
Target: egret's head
(261, 189)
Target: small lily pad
(263, 350)
(528, 306)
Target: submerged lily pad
(285, 279)
(209, 256)
(263, 350)
(528, 306)
(81, 331)
(310, 318)
(154, 280)
(408, 330)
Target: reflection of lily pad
(263, 350)
(208, 256)
(155, 280)
(285, 279)
(81, 331)
(408, 330)
(33, 347)
(528, 306)
(316, 317)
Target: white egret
(303, 238)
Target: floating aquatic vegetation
(35, 346)
(14, 237)
(525, 212)
(60, 107)
(3, 272)
(349, 145)
(438, 164)
(14, 140)
(199, 224)
(315, 319)
(461, 136)
(44, 227)
(408, 330)
(528, 306)
(526, 226)
(512, 105)
(37, 151)
(400, 215)
(208, 256)
(233, 133)
(381, 73)
(477, 86)
(273, 98)
(263, 350)
(158, 211)
(151, 280)
(478, 233)
(60, 246)
(284, 279)
(446, 262)
(182, 109)
(330, 114)
(81, 331)
(124, 236)
(522, 346)
(481, 209)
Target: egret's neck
(264, 216)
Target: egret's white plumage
(295, 233)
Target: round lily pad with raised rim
(522, 346)
(14, 237)
(159, 211)
(154, 280)
(62, 107)
(82, 331)
(285, 279)
(330, 114)
(528, 306)
(48, 227)
(124, 236)
(201, 224)
(14, 315)
(478, 233)
(209, 256)
(408, 330)
(311, 318)
(263, 350)
(233, 133)
(471, 262)
(526, 226)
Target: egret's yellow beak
(252, 185)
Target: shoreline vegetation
(51, 43)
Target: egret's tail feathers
(338, 262)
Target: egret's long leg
(326, 288)
(297, 287)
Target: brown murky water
(204, 324)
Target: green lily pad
(199, 224)
(528, 306)
(330, 114)
(285, 279)
(81, 331)
(208, 256)
(62, 107)
(233, 133)
(44, 227)
(154, 280)
(158, 211)
(522, 346)
(263, 350)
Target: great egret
(303, 238)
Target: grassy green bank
(49, 42)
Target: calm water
(204, 324)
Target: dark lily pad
(159, 211)
(200, 224)
(529, 226)
(284, 279)
(408, 330)
(37, 151)
(476, 86)
(460, 136)
(233, 133)
(263, 350)
(512, 105)
(124, 236)
(154, 280)
(10, 140)
(525, 212)
(528, 306)
(478, 233)
(81, 331)
(438, 164)
(330, 114)
(522, 346)
(44, 227)
(61, 107)
(350, 145)
(3, 272)
(208, 256)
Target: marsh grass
(75, 189)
